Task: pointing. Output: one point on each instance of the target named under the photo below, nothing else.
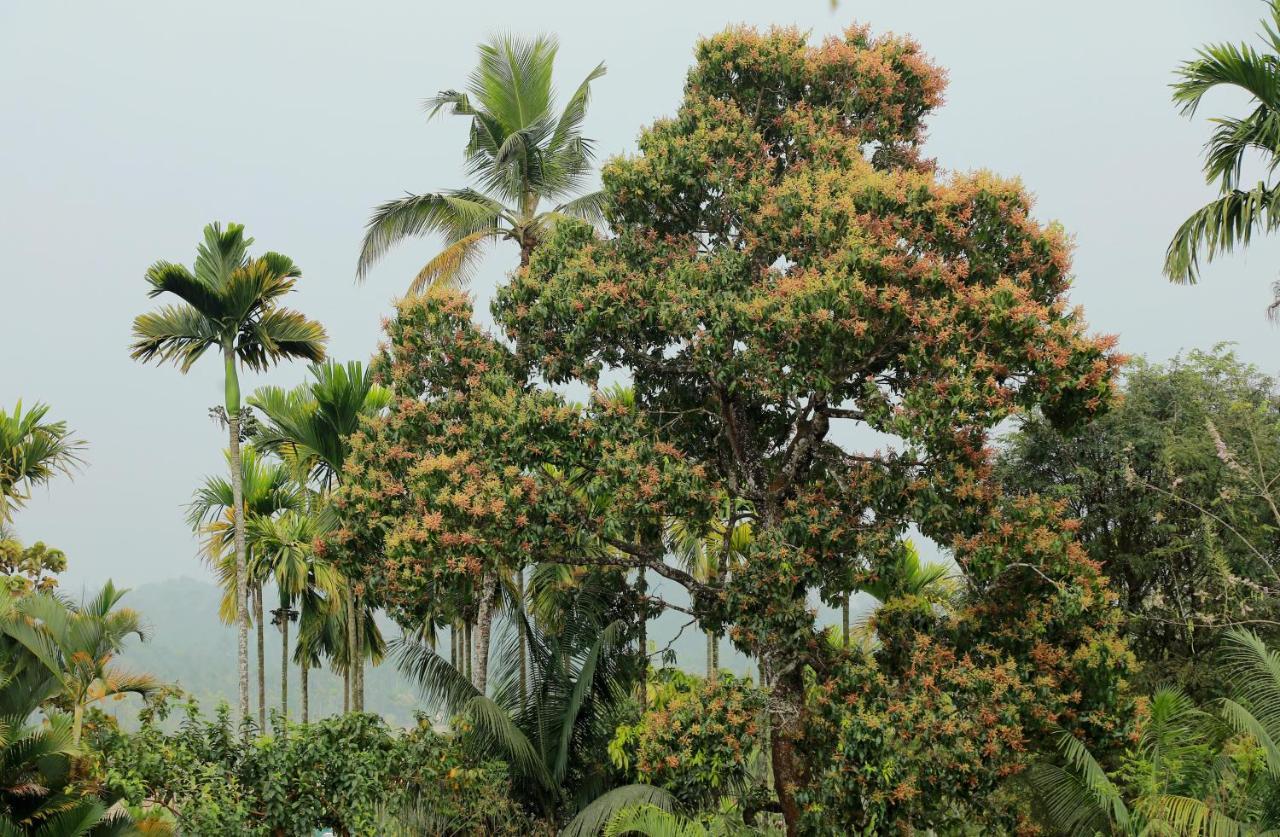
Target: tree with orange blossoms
(784, 266)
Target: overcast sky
(129, 125)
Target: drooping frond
(453, 266)
(32, 452)
(454, 215)
(177, 333)
(594, 817)
(1219, 227)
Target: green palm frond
(32, 452)
(1219, 227)
(452, 267)
(1188, 817)
(1253, 670)
(598, 815)
(173, 333)
(453, 215)
(1232, 218)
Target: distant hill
(189, 646)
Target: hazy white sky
(129, 125)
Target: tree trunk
(232, 392)
(844, 619)
(284, 659)
(353, 650)
(453, 643)
(788, 765)
(484, 625)
(346, 690)
(520, 625)
(466, 649)
(711, 654)
(357, 679)
(262, 658)
(77, 723)
(642, 593)
(304, 676)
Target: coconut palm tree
(522, 154)
(310, 426)
(267, 489)
(711, 554)
(32, 452)
(1240, 209)
(230, 303)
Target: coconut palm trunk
(357, 679)
(232, 385)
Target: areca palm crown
(309, 426)
(282, 549)
(529, 161)
(32, 452)
(230, 304)
(1240, 209)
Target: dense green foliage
(698, 738)
(343, 773)
(1174, 491)
(783, 281)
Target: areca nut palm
(309, 426)
(1240, 209)
(521, 151)
(267, 489)
(32, 452)
(282, 548)
(229, 303)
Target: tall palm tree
(282, 546)
(522, 154)
(32, 452)
(310, 425)
(267, 489)
(230, 303)
(79, 644)
(1239, 210)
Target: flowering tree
(783, 264)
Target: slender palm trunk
(711, 654)
(484, 626)
(304, 676)
(284, 658)
(77, 723)
(642, 593)
(453, 643)
(844, 620)
(262, 658)
(232, 386)
(466, 649)
(353, 651)
(520, 620)
(357, 680)
(346, 690)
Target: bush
(342, 773)
(697, 737)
